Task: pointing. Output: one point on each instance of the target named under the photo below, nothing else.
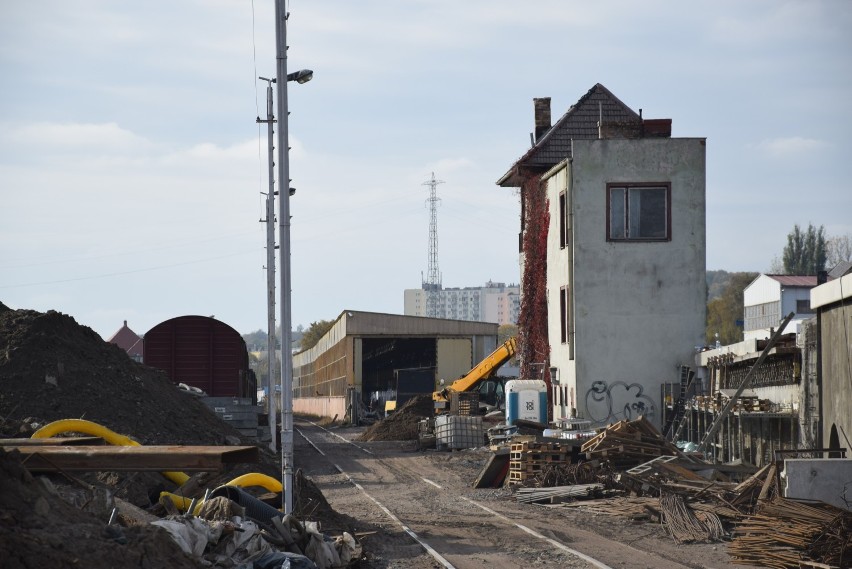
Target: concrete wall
(833, 301)
(414, 302)
(827, 480)
(455, 358)
(638, 307)
(320, 406)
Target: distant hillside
(725, 305)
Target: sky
(132, 169)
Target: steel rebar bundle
(684, 525)
(531, 495)
(786, 532)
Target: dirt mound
(53, 368)
(39, 529)
(402, 425)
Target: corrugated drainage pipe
(94, 429)
(255, 509)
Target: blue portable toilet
(526, 399)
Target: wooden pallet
(515, 476)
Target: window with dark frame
(563, 225)
(564, 305)
(639, 212)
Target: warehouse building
(364, 352)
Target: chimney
(656, 128)
(542, 116)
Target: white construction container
(526, 399)
(458, 431)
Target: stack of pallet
(627, 443)
(464, 403)
(528, 459)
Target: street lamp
(283, 78)
(301, 76)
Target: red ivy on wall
(532, 320)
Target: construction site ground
(409, 508)
(395, 490)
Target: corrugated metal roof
(795, 280)
(840, 269)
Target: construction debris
(786, 532)
(529, 458)
(694, 500)
(628, 443)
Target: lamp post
(302, 76)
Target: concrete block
(826, 479)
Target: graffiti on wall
(607, 402)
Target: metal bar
(284, 254)
(134, 458)
(64, 441)
(714, 427)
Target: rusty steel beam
(133, 458)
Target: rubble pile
(629, 469)
(402, 425)
(628, 443)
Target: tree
(314, 332)
(805, 251)
(506, 331)
(837, 250)
(724, 311)
(256, 341)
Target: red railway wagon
(202, 352)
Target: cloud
(80, 137)
(208, 151)
(789, 146)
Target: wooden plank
(62, 441)
(134, 458)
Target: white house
(625, 255)
(769, 298)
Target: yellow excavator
(482, 372)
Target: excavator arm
(482, 371)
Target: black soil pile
(402, 425)
(39, 529)
(53, 368)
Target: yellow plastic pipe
(182, 503)
(90, 428)
(257, 479)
